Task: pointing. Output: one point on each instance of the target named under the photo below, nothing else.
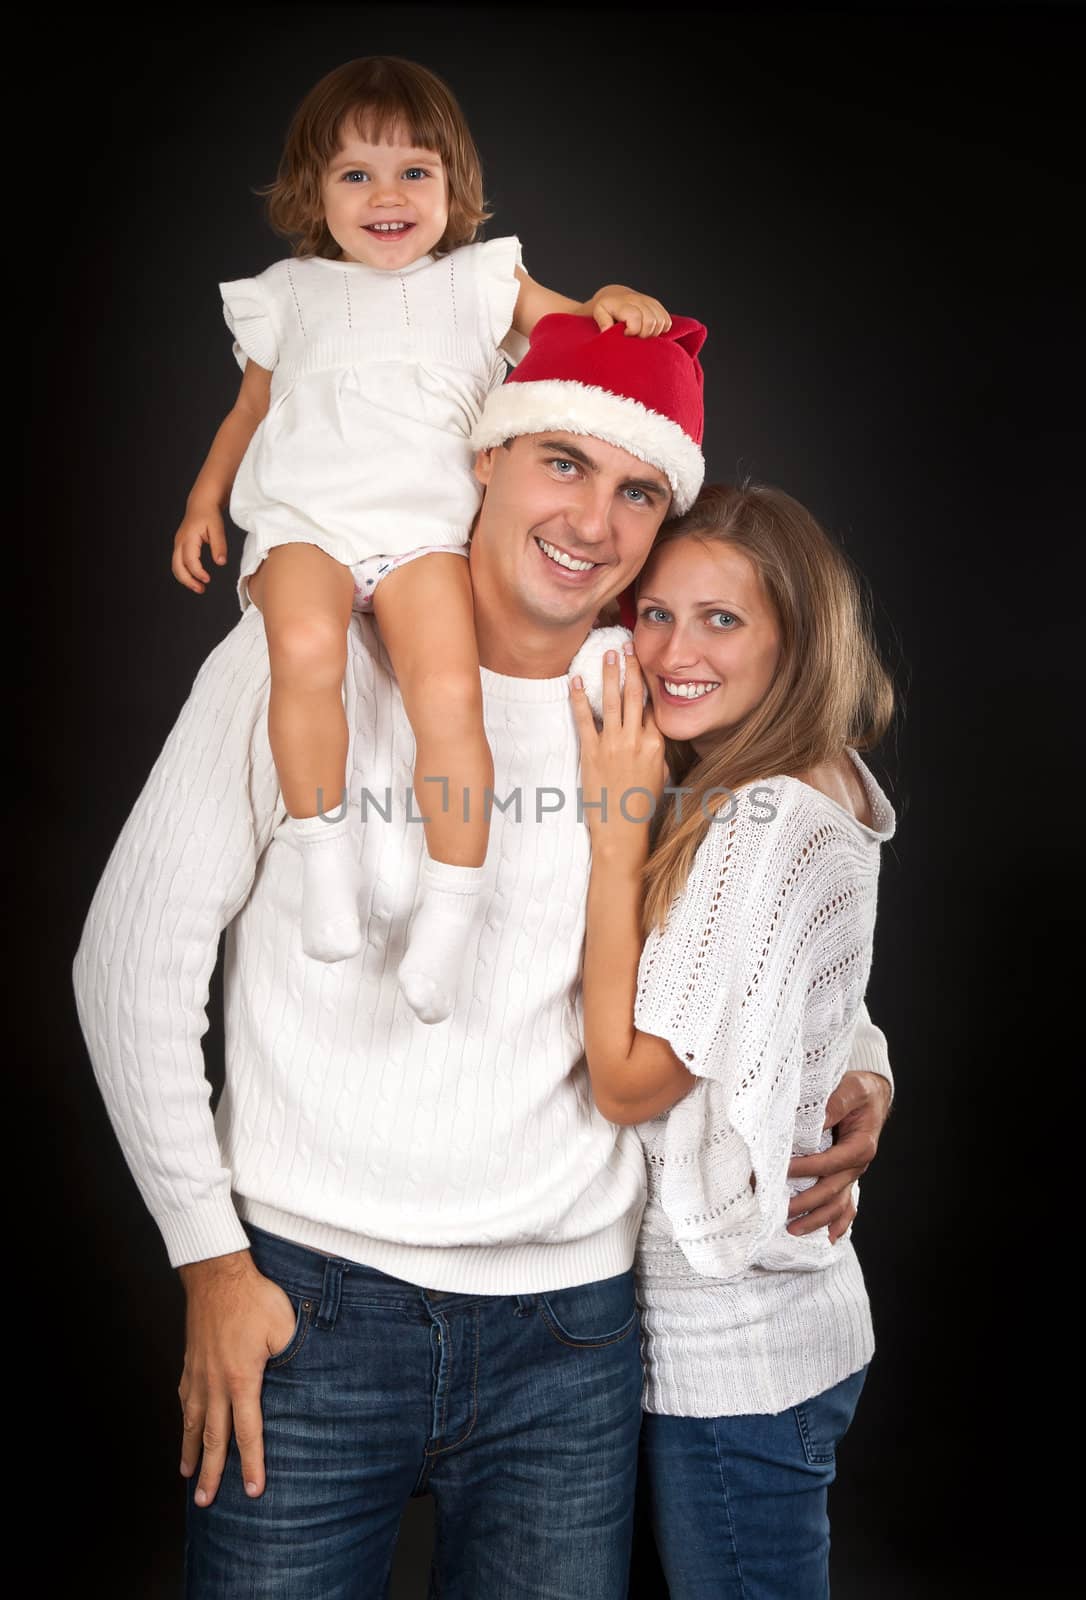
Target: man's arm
(181, 869)
(857, 1111)
(870, 1052)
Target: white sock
(331, 879)
(430, 969)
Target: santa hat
(643, 395)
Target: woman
(725, 1036)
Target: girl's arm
(635, 1075)
(642, 315)
(203, 523)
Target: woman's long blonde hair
(830, 688)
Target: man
(406, 1249)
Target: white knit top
(463, 1156)
(757, 982)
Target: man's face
(566, 523)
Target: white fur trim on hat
(519, 408)
(587, 664)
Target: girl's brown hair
(377, 96)
(830, 688)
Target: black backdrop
(873, 212)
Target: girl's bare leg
(305, 598)
(425, 613)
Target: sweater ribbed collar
(536, 691)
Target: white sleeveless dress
(378, 378)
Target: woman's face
(707, 638)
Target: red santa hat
(642, 395)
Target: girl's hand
(623, 770)
(199, 528)
(642, 315)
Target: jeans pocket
(593, 1314)
(303, 1319)
(823, 1420)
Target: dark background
(873, 211)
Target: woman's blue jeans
(739, 1503)
(519, 1414)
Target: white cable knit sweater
(465, 1156)
(757, 982)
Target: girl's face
(386, 205)
(707, 638)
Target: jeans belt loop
(330, 1294)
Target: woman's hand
(642, 315)
(200, 527)
(623, 770)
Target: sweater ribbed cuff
(869, 1054)
(209, 1229)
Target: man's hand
(642, 315)
(856, 1110)
(236, 1319)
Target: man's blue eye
(642, 496)
(562, 462)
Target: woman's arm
(203, 523)
(635, 1075)
(642, 315)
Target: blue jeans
(739, 1503)
(519, 1414)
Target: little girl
(367, 358)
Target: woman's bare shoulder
(840, 782)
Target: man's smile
(557, 557)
